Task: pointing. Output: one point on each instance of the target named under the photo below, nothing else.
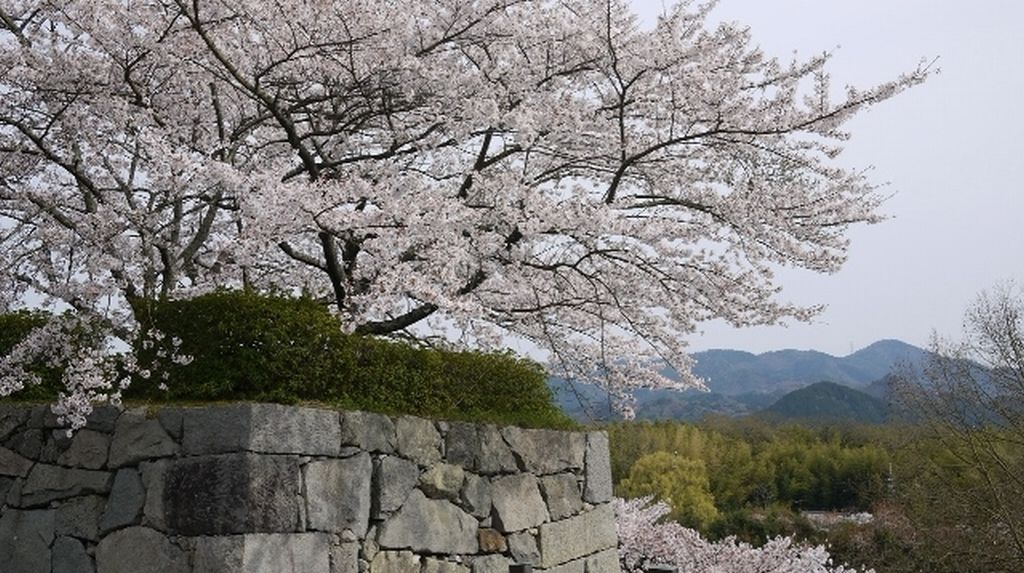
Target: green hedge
(251, 347)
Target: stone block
(442, 481)
(27, 442)
(153, 480)
(345, 558)
(523, 547)
(338, 494)
(263, 553)
(429, 526)
(491, 541)
(479, 449)
(597, 486)
(103, 418)
(11, 417)
(80, 516)
(69, 556)
(579, 536)
(88, 450)
(418, 440)
(127, 497)
(25, 538)
(46, 483)
(562, 494)
(395, 478)
(490, 564)
(138, 438)
(173, 421)
(262, 428)
(232, 493)
(517, 503)
(434, 565)
(546, 451)
(606, 561)
(13, 464)
(576, 566)
(368, 431)
(395, 562)
(139, 550)
(475, 496)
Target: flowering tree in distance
(491, 168)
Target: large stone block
(368, 431)
(562, 494)
(13, 464)
(517, 503)
(25, 538)
(338, 494)
(597, 486)
(475, 496)
(153, 479)
(606, 561)
(395, 479)
(137, 438)
(46, 483)
(546, 451)
(263, 428)
(395, 562)
(232, 493)
(88, 450)
(126, 500)
(576, 537)
(479, 449)
(11, 417)
(418, 440)
(139, 550)
(263, 553)
(443, 481)
(490, 564)
(523, 547)
(80, 517)
(69, 556)
(430, 526)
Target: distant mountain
(827, 401)
(741, 383)
(730, 372)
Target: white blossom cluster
(489, 169)
(644, 542)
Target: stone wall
(277, 489)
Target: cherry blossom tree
(487, 169)
(645, 541)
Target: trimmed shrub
(247, 346)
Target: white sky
(952, 151)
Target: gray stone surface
(491, 540)
(569, 539)
(11, 417)
(338, 494)
(479, 449)
(434, 565)
(395, 478)
(54, 444)
(103, 418)
(345, 558)
(153, 480)
(69, 556)
(517, 503)
(491, 564)
(263, 553)
(430, 526)
(546, 451)
(46, 483)
(80, 516)
(442, 481)
(369, 431)
(173, 421)
(576, 566)
(25, 538)
(562, 494)
(139, 550)
(138, 438)
(263, 428)
(13, 464)
(127, 497)
(395, 562)
(523, 547)
(606, 561)
(475, 496)
(232, 493)
(215, 429)
(598, 485)
(418, 440)
(28, 443)
(88, 450)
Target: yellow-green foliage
(679, 481)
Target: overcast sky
(951, 151)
